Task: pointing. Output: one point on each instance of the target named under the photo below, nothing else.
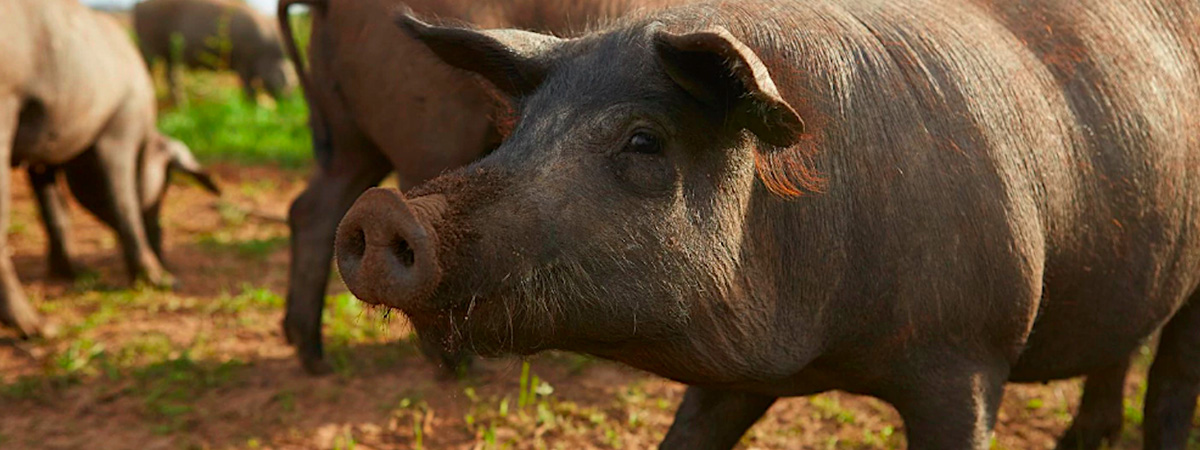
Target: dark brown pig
(214, 35)
(75, 98)
(916, 200)
(380, 102)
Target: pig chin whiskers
(524, 312)
(535, 301)
(466, 319)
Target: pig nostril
(404, 253)
(356, 246)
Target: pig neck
(749, 341)
(775, 315)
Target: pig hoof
(316, 366)
(45, 330)
(26, 322)
(1090, 435)
(164, 282)
(36, 329)
(294, 335)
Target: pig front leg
(15, 310)
(55, 219)
(948, 403)
(714, 419)
(1174, 383)
(247, 78)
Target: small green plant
(829, 407)
(286, 399)
(147, 348)
(418, 412)
(169, 388)
(231, 214)
(885, 437)
(16, 227)
(1035, 404)
(258, 187)
(252, 297)
(78, 357)
(533, 415)
(349, 322)
(345, 441)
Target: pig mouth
(393, 251)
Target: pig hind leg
(313, 219)
(714, 419)
(1174, 380)
(153, 222)
(15, 310)
(1101, 412)
(55, 218)
(84, 175)
(117, 156)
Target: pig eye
(643, 142)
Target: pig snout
(387, 249)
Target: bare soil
(206, 366)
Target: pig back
(77, 69)
(215, 34)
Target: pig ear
(183, 161)
(719, 70)
(509, 59)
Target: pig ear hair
(509, 59)
(184, 161)
(719, 70)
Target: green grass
(83, 355)
(219, 124)
(257, 249)
(534, 417)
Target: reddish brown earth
(206, 367)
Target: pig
(379, 102)
(918, 201)
(214, 35)
(76, 99)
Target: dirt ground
(206, 366)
